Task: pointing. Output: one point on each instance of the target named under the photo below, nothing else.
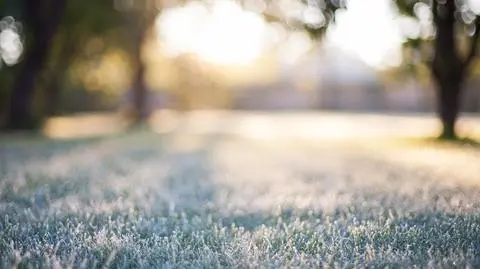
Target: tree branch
(435, 11)
(473, 45)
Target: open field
(243, 191)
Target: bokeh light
(11, 46)
(220, 33)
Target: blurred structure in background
(134, 57)
(323, 79)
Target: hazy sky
(229, 35)
(368, 29)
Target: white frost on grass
(151, 201)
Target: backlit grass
(144, 200)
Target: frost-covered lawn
(208, 201)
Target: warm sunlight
(221, 33)
(370, 30)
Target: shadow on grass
(37, 188)
(36, 146)
(146, 239)
(355, 235)
(191, 175)
(40, 139)
(459, 143)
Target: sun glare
(369, 30)
(222, 33)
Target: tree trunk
(52, 95)
(139, 87)
(448, 100)
(54, 81)
(447, 68)
(43, 26)
(20, 116)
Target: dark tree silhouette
(140, 17)
(82, 21)
(42, 19)
(142, 27)
(454, 22)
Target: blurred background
(70, 67)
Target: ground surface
(242, 192)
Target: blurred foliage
(87, 30)
(81, 22)
(8, 8)
(92, 50)
(97, 54)
(98, 49)
(451, 30)
(420, 44)
(418, 48)
(415, 16)
(312, 16)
